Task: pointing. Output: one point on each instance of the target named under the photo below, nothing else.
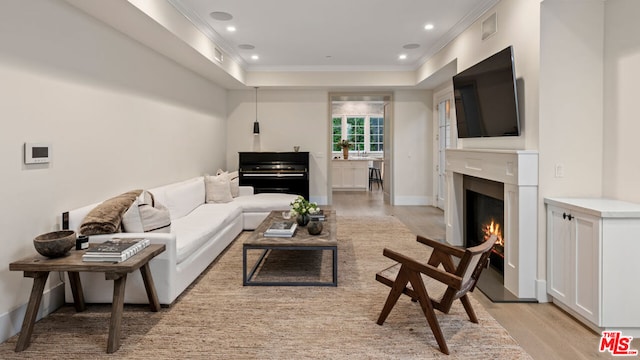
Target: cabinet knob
(567, 216)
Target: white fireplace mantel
(518, 171)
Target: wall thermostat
(37, 153)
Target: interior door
(443, 141)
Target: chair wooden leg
(427, 309)
(467, 307)
(396, 290)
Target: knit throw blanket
(106, 218)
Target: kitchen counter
(359, 158)
(351, 174)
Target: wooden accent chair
(406, 277)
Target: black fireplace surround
(483, 204)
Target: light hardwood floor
(543, 330)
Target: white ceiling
(339, 45)
(299, 35)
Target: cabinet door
(362, 175)
(336, 175)
(349, 176)
(559, 255)
(586, 232)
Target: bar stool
(375, 175)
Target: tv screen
(485, 98)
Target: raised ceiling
(363, 35)
(329, 44)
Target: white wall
(119, 117)
(621, 169)
(413, 147)
(287, 118)
(571, 95)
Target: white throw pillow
(218, 189)
(234, 181)
(146, 215)
(131, 221)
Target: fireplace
(484, 216)
(507, 180)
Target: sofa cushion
(265, 202)
(183, 197)
(218, 189)
(203, 223)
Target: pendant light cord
(256, 104)
(256, 124)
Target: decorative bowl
(55, 244)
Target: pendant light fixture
(256, 124)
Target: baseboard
(11, 322)
(541, 291)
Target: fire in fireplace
(497, 253)
(484, 216)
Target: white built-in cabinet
(350, 174)
(593, 262)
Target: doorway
(362, 122)
(443, 141)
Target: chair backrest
(473, 261)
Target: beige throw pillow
(146, 215)
(218, 189)
(234, 181)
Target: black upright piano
(275, 172)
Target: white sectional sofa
(200, 231)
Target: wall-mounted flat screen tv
(485, 98)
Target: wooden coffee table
(327, 240)
(38, 268)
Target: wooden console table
(38, 268)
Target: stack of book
(281, 229)
(317, 216)
(115, 250)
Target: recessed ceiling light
(221, 15)
(246, 47)
(231, 28)
(411, 46)
(255, 57)
(429, 27)
(402, 56)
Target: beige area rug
(218, 318)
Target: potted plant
(345, 148)
(301, 208)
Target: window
(365, 133)
(337, 133)
(376, 133)
(355, 133)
